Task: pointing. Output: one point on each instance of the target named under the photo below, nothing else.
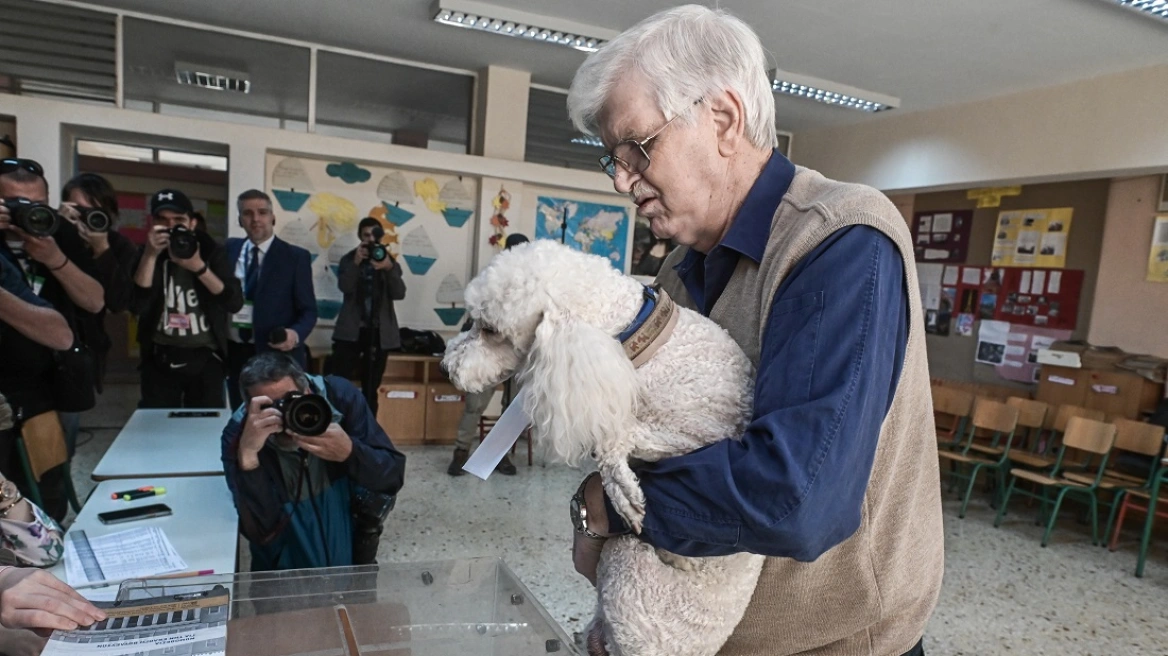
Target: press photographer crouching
(184, 292)
(312, 474)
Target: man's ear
(729, 121)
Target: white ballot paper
(500, 440)
(113, 558)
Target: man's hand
(361, 255)
(34, 599)
(257, 426)
(158, 240)
(289, 342)
(98, 241)
(194, 263)
(384, 265)
(334, 445)
(5, 217)
(586, 555)
(42, 249)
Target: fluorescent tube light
(1151, 8)
(831, 93)
(211, 78)
(587, 140)
(509, 22)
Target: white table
(202, 528)
(153, 443)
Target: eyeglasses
(10, 165)
(631, 154)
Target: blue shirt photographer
(298, 510)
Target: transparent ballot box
(444, 608)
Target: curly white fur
(551, 315)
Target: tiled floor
(1003, 594)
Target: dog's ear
(582, 388)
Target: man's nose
(624, 180)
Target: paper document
(194, 624)
(110, 559)
(971, 276)
(500, 440)
(949, 278)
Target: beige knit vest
(872, 594)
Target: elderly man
(835, 478)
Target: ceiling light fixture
(1157, 9)
(509, 22)
(211, 78)
(831, 93)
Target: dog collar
(652, 327)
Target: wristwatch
(579, 510)
(9, 497)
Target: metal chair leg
(1058, 502)
(1005, 502)
(1146, 538)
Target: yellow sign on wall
(1033, 238)
(1158, 258)
(992, 196)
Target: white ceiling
(929, 53)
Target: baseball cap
(170, 199)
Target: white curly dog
(552, 315)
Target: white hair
(684, 54)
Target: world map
(591, 227)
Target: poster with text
(1158, 258)
(1032, 238)
(1020, 358)
(428, 221)
(941, 236)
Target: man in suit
(279, 303)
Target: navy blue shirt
(830, 357)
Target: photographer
(360, 278)
(307, 501)
(55, 265)
(184, 291)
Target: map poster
(1032, 238)
(584, 226)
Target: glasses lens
(633, 156)
(608, 165)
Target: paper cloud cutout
(349, 172)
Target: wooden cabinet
(417, 404)
(1115, 392)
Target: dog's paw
(624, 490)
(677, 562)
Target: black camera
(305, 414)
(376, 252)
(278, 336)
(184, 244)
(36, 219)
(95, 219)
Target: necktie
(250, 282)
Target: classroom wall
(1129, 311)
(43, 128)
(1105, 127)
(951, 356)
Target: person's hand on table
(334, 445)
(259, 423)
(34, 599)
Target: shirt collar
(263, 245)
(751, 228)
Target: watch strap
(580, 519)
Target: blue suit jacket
(284, 297)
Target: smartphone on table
(132, 514)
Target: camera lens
(96, 220)
(378, 252)
(308, 414)
(183, 243)
(36, 219)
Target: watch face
(574, 507)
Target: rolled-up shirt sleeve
(794, 484)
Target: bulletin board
(1032, 238)
(960, 295)
(941, 236)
